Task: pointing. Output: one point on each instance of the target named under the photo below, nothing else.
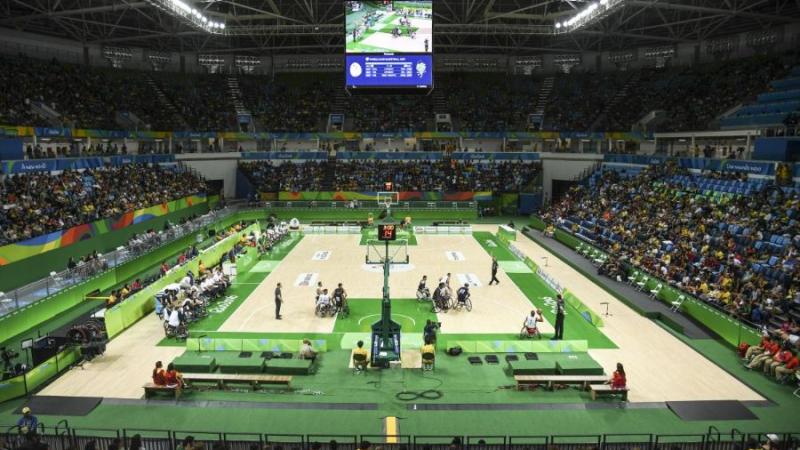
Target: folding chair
(676, 305)
(359, 363)
(428, 361)
(796, 392)
(642, 283)
(654, 292)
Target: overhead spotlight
(603, 2)
(558, 24)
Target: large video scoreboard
(389, 44)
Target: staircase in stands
(629, 86)
(235, 95)
(328, 182)
(541, 103)
(167, 104)
(340, 106)
(439, 102)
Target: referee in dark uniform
(494, 271)
(559, 334)
(278, 301)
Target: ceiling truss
(263, 27)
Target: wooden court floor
(659, 366)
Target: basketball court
(656, 361)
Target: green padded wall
(40, 266)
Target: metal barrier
(150, 439)
(577, 442)
(627, 441)
(331, 442)
(57, 282)
(64, 438)
(527, 443)
(398, 442)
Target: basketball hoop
(388, 198)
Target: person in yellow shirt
(427, 350)
(112, 299)
(201, 268)
(360, 350)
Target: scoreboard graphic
(389, 44)
(414, 71)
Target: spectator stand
(32, 293)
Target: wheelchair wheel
(319, 311)
(468, 304)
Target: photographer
(8, 357)
(429, 333)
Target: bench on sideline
(151, 388)
(607, 389)
(549, 380)
(253, 380)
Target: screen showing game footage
(389, 44)
(389, 27)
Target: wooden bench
(253, 380)
(549, 380)
(607, 389)
(151, 388)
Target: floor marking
(322, 255)
(413, 322)
(306, 279)
(454, 255)
(391, 429)
(470, 278)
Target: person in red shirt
(780, 358)
(173, 377)
(769, 352)
(618, 379)
(756, 349)
(783, 372)
(159, 376)
(164, 268)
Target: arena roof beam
(718, 11)
(72, 12)
(261, 12)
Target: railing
(367, 204)
(58, 281)
(63, 438)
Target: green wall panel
(15, 387)
(37, 267)
(363, 213)
(127, 313)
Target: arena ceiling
(461, 26)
